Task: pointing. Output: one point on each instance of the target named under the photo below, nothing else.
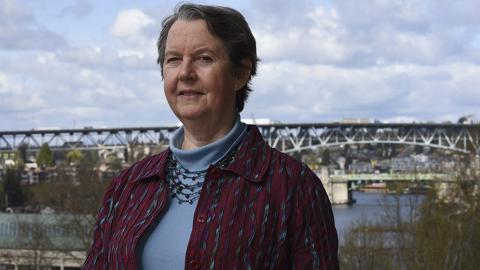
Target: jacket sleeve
(315, 240)
(96, 256)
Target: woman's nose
(187, 71)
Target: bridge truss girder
(290, 138)
(93, 139)
(463, 138)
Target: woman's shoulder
(293, 182)
(144, 168)
(291, 169)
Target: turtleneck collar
(200, 158)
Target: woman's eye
(205, 59)
(173, 59)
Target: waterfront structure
(338, 186)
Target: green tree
(75, 156)
(348, 156)
(418, 149)
(113, 162)
(393, 151)
(348, 162)
(90, 158)
(45, 157)
(21, 155)
(12, 189)
(2, 197)
(325, 157)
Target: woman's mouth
(189, 93)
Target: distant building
(468, 119)
(356, 121)
(358, 166)
(418, 163)
(259, 121)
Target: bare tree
(449, 231)
(364, 247)
(428, 232)
(76, 197)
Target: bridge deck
(387, 177)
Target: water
(369, 207)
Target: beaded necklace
(185, 185)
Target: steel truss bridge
(463, 138)
(394, 177)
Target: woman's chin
(190, 115)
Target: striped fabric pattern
(265, 210)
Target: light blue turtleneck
(166, 245)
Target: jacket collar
(149, 168)
(253, 157)
(251, 160)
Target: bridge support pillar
(338, 193)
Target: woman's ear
(242, 74)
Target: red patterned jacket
(264, 211)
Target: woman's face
(198, 78)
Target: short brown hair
(225, 23)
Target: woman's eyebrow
(172, 53)
(205, 49)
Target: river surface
(370, 207)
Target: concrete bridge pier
(337, 192)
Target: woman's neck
(199, 134)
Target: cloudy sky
(83, 63)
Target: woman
(219, 197)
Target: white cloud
(413, 31)
(19, 30)
(3, 83)
(79, 8)
(316, 92)
(347, 33)
(131, 53)
(390, 60)
(130, 23)
(136, 33)
(316, 41)
(10, 10)
(16, 98)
